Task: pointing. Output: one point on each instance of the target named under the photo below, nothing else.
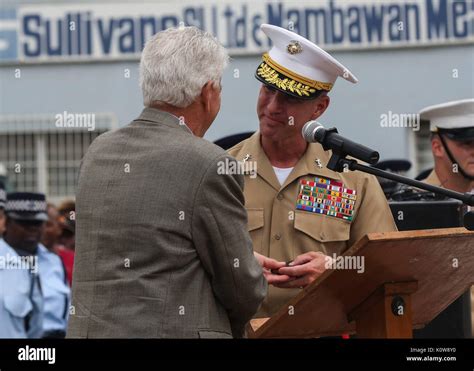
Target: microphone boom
(313, 132)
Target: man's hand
(268, 265)
(304, 269)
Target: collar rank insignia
(326, 196)
(247, 157)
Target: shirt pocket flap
(255, 219)
(19, 305)
(323, 228)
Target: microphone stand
(338, 162)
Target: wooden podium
(408, 279)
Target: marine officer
(298, 210)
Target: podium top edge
(420, 234)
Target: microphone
(313, 132)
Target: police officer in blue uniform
(21, 299)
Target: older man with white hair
(162, 244)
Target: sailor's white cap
(454, 118)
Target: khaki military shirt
(281, 231)
(433, 179)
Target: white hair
(176, 64)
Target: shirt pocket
(316, 232)
(255, 223)
(18, 305)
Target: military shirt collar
(433, 179)
(307, 165)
